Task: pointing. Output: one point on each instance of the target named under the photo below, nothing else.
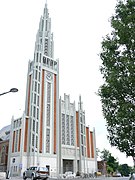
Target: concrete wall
(21, 164)
(2, 175)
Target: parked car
(35, 172)
(116, 175)
(69, 175)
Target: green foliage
(112, 163)
(124, 169)
(105, 154)
(109, 170)
(118, 70)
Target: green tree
(109, 170)
(124, 169)
(112, 163)
(105, 155)
(118, 69)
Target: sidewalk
(11, 178)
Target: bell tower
(42, 96)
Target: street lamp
(134, 155)
(11, 90)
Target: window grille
(36, 141)
(48, 103)
(48, 115)
(33, 137)
(16, 141)
(63, 128)
(38, 88)
(34, 111)
(72, 130)
(37, 127)
(39, 76)
(35, 86)
(67, 130)
(34, 98)
(36, 72)
(37, 100)
(37, 113)
(48, 92)
(47, 140)
(37, 57)
(33, 125)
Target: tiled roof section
(5, 133)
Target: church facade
(51, 132)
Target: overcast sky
(78, 27)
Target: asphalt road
(99, 178)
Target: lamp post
(134, 155)
(11, 90)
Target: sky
(78, 27)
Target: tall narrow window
(39, 76)
(36, 127)
(81, 128)
(63, 128)
(16, 141)
(36, 141)
(47, 140)
(35, 86)
(37, 113)
(37, 100)
(81, 139)
(34, 98)
(67, 130)
(46, 25)
(36, 72)
(72, 130)
(37, 57)
(48, 103)
(38, 88)
(40, 58)
(42, 24)
(48, 92)
(33, 137)
(48, 115)
(33, 125)
(34, 111)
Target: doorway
(67, 165)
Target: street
(98, 178)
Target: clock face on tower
(49, 76)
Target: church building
(52, 132)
